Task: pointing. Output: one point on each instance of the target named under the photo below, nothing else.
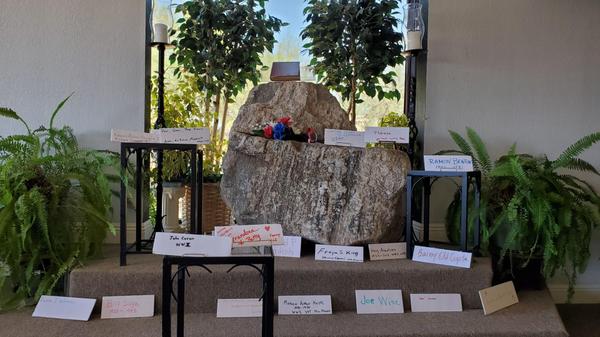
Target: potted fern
(54, 208)
(535, 213)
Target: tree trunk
(223, 124)
(215, 126)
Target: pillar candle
(413, 40)
(161, 33)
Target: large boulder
(328, 194)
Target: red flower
(268, 131)
(285, 121)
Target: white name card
(387, 251)
(126, 136)
(498, 297)
(127, 306)
(184, 135)
(71, 308)
(344, 138)
(435, 302)
(290, 248)
(252, 235)
(239, 307)
(386, 134)
(305, 305)
(339, 253)
(448, 163)
(442, 256)
(190, 245)
(379, 302)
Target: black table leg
(408, 226)
(167, 288)
(426, 202)
(269, 297)
(123, 212)
(464, 210)
(180, 300)
(138, 200)
(477, 229)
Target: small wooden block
(285, 71)
(498, 297)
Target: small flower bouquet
(281, 129)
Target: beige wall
(94, 48)
(525, 71)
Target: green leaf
(57, 109)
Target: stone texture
(309, 105)
(328, 194)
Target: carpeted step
(303, 276)
(534, 316)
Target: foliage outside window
(353, 43)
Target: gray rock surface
(328, 194)
(309, 105)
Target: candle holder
(162, 24)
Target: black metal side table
(415, 177)
(127, 149)
(260, 257)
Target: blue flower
(278, 131)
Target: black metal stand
(141, 246)
(410, 105)
(425, 177)
(160, 123)
(183, 262)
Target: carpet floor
(533, 316)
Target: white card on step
(127, 306)
(252, 235)
(60, 307)
(444, 257)
(290, 248)
(435, 302)
(339, 253)
(239, 307)
(304, 305)
(177, 244)
(379, 301)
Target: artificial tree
(220, 42)
(352, 43)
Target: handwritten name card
(386, 134)
(344, 138)
(442, 256)
(184, 135)
(126, 136)
(387, 251)
(290, 248)
(71, 308)
(339, 253)
(379, 302)
(127, 306)
(190, 245)
(498, 297)
(448, 163)
(252, 235)
(305, 305)
(435, 302)
(239, 307)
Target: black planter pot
(527, 276)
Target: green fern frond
(580, 165)
(480, 150)
(57, 109)
(461, 143)
(575, 150)
(10, 113)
